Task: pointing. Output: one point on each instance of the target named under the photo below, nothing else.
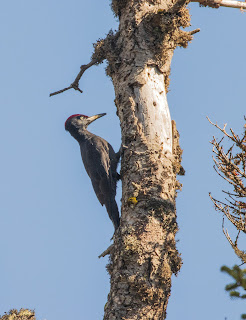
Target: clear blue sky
(52, 226)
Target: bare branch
(226, 179)
(241, 254)
(101, 49)
(228, 165)
(238, 222)
(75, 84)
(222, 3)
(106, 252)
(194, 31)
(222, 130)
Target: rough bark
(144, 255)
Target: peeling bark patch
(159, 117)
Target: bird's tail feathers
(113, 212)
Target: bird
(100, 162)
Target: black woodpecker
(100, 162)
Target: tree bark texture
(144, 254)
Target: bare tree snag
(144, 255)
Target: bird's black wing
(96, 159)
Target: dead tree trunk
(144, 255)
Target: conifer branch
(230, 165)
(240, 253)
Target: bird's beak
(93, 118)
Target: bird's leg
(118, 156)
(120, 152)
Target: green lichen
(131, 244)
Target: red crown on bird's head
(75, 115)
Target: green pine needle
(235, 294)
(231, 286)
